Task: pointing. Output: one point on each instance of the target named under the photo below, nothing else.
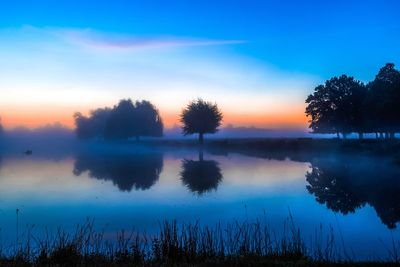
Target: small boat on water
(28, 152)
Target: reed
(232, 244)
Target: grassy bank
(235, 244)
(301, 149)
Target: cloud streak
(98, 40)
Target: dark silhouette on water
(200, 176)
(346, 185)
(345, 105)
(126, 171)
(331, 184)
(200, 117)
(125, 120)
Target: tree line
(344, 105)
(135, 119)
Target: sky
(258, 60)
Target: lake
(137, 188)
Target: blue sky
(252, 49)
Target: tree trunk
(344, 135)
(201, 138)
(361, 136)
(201, 155)
(391, 135)
(380, 135)
(338, 135)
(376, 135)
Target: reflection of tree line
(127, 171)
(345, 186)
(342, 184)
(141, 171)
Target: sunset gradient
(56, 60)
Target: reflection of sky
(49, 195)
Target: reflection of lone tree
(200, 117)
(127, 171)
(345, 186)
(125, 120)
(201, 176)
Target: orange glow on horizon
(33, 117)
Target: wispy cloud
(93, 39)
(79, 69)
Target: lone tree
(200, 117)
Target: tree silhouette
(126, 171)
(345, 185)
(92, 126)
(345, 105)
(125, 120)
(336, 106)
(384, 100)
(200, 117)
(200, 176)
(150, 120)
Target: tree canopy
(125, 120)
(345, 105)
(200, 117)
(384, 100)
(93, 125)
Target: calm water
(358, 197)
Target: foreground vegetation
(236, 244)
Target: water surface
(137, 188)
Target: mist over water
(130, 185)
